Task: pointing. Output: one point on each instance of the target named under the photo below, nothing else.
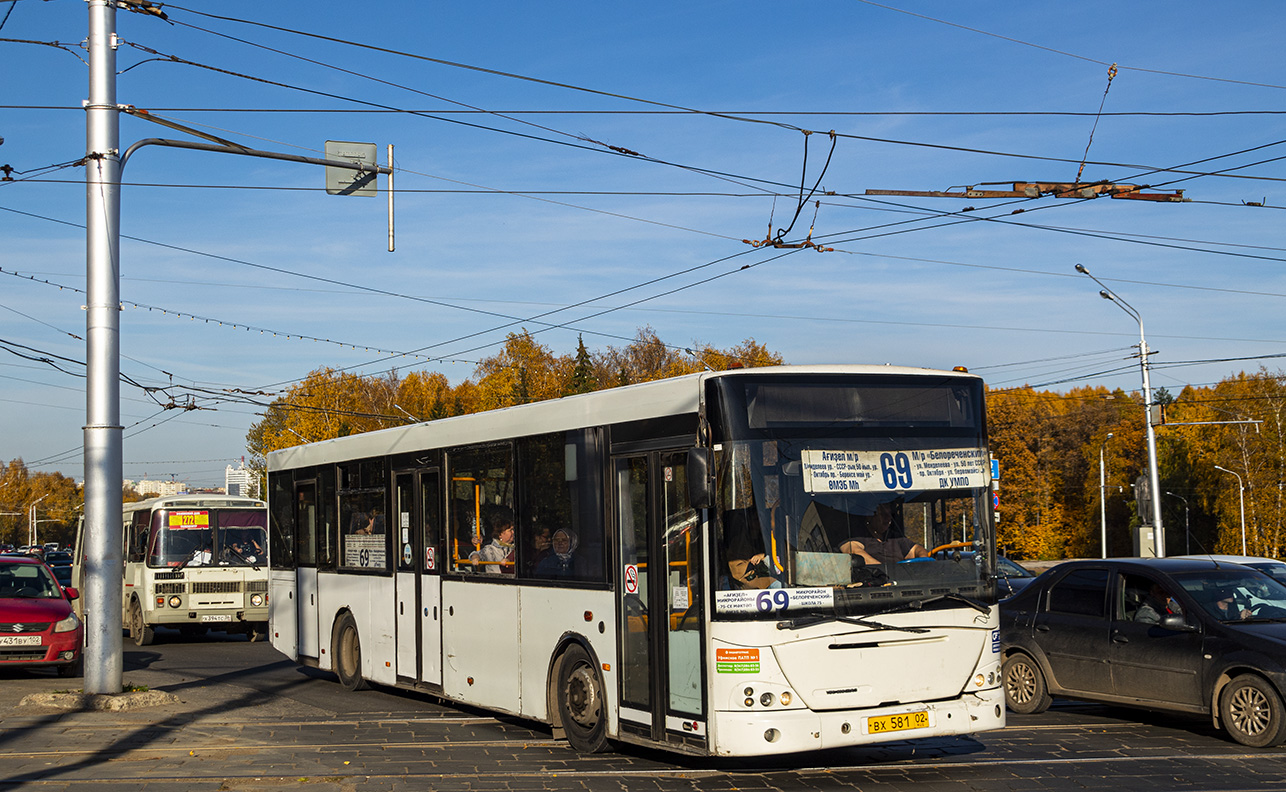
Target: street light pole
(1187, 525)
(1102, 491)
(1241, 496)
(31, 520)
(1153, 472)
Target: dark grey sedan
(1181, 635)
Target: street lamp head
(1081, 269)
(1110, 436)
(1105, 295)
(1224, 469)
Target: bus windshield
(850, 498)
(208, 537)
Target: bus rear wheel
(140, 631)
(581, 706)
(346, 654)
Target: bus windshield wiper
(981, 607)
(809, 621)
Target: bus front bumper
(789, 731)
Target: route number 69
(896, 470)
(769, 601)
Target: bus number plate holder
(902, 721)
(216, 617)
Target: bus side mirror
(700, 484)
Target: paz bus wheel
(1025, 689)
(346, 654)
(1251, 711)
(140, 631)
(581, 705)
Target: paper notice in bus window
(182, 520)
(889, 471)
(364, 551)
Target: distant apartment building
(161, 488)
(241, 481)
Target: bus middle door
(419, 584)
(661, 618)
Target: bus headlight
(176, 601)
(256, 600)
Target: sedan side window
(1082, 592)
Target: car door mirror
(1177, 623)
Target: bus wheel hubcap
(582, 696)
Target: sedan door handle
(1042, 628)
(1118, 638)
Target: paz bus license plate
(19, 640)
(900, 722)
(217, 617)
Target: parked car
(1182, 635)
(1011, 577)
(37, 624)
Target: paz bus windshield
(850, 497)
(207, 537)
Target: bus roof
(654, 399)
(195, 500)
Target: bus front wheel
(581, 706)
(346, 654)
(140, 631)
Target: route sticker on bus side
(884, 471)
(736, 661)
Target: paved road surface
(249, 719)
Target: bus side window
(137, 533)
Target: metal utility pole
(102, 432)
(1102, 493)
(1153, 472)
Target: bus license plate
(216, 617)
(19, 640)
(900, 722)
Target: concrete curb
(119, 702)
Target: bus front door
(661, 617)
(419, 585)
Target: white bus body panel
(480, 639)
(407, 616)
(431, 629)
(309, 614)
(283, 612)
(547, 615)
(839, 679)
(368, 598)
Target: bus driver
(878, 547)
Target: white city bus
(693, 562)
(193, 562)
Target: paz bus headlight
(256, 600)
(175, 601)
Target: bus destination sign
(884, 471)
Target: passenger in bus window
(558, 561)
(497, 556)
(538, 548)
(884, 541)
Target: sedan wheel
(1252, 713)
(1025, 690)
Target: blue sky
(511, 205)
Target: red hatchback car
(37, 624)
